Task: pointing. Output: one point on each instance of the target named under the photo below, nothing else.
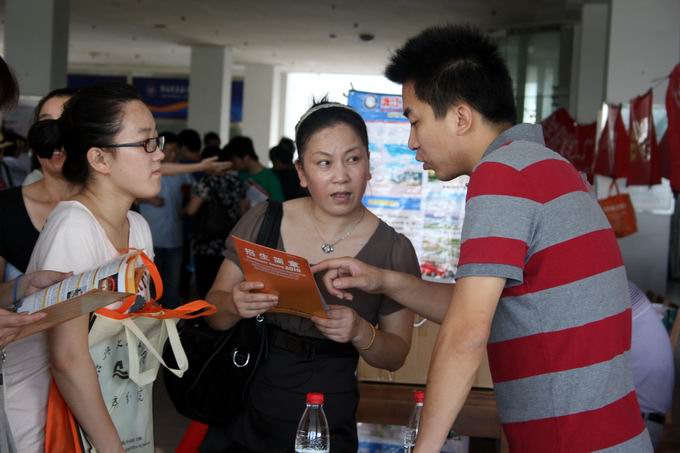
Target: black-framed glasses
(150, 144)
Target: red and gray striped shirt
(560, 341)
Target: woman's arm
(233, 299)
(209, 165)
(192, 207)
(75, 375)
(392, 340)
(386, 349)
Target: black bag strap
(270, 230)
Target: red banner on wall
(559, 132)
(613, 146)
(644, 167)
(585, 145)
(574, 142)
(672, 136)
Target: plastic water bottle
(312, 434)
(411, 431)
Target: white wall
(644, 45)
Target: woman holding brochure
(334, 165)
(27, 210)
(113, 154)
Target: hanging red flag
(585, 147)
(672, 136)
(559, 132)
(574, 142)
(613, 146)
(644, 167)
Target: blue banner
(377, 107)
(236, 113)
(166, 98)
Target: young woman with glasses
(112, 154)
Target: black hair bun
(44, 137)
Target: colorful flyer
(288, 276)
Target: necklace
(329, 247)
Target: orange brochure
(288, 276)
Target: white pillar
(36, 43)
(644, 44)
(210, 90)
(261, 110)
(591, 45)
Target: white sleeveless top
(72, 240)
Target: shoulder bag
(221, 363)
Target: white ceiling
(155, 36)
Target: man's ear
(99, 160)
(301, 173)
(463, 118)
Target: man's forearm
(452, 372)
(457, 355)
(428, 299)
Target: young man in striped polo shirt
(540, 284)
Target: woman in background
(223, 198)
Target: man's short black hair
(454, 63)
(241, 146)
(190, 139)
(211, 136)
(282, 154)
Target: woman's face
(52, 110)
(131, 169)
(335, 169)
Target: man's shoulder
(520, 154)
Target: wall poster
(429, 212)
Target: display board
(429, 212)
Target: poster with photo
(412, 200)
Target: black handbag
(221, 363)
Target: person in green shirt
(246, 162)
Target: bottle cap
(314, 398)
(419, 396)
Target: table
(391, 404)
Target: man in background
(251, 171)
(189, 146)
(282, 164)
(211, 139)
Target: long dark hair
(9, 88)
